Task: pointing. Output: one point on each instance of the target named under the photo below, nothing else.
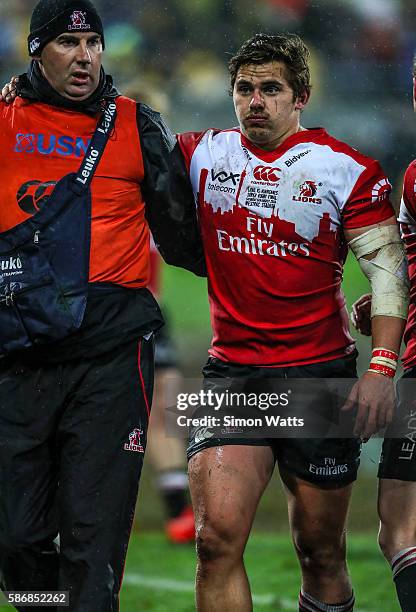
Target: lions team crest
(135, 442)
(308, 188)
(78, 21)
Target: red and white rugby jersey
(272, 229)
(407, 218)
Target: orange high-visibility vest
(41, 143)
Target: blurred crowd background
(174, 54)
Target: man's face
(72, 63)
(265, 105)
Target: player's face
(72, 63)
(265, 104)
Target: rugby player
(279, 205)
(397, 469)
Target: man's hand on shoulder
(9, 91)
(374, 399)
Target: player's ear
(302, 100)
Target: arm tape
(387, 271)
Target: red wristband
(381, 352)
(382, 369)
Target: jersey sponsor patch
(32, 195)
(47, 144)
(328, 467)
(252, 244)
(381, 191)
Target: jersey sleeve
(188, 142)
(169, 201)
(369, 200)
(408, 203)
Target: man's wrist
(384, 362)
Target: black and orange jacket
(42, 143)
(141, 181)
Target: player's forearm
(380, 254)
(387, 332)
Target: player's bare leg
(226, 485)
(318, 522)
(168, 459)
(397, 536)
(164, 452)
(397, 528)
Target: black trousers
(72, 441)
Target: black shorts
(398, 455)
(306, 458)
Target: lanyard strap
(96, 148)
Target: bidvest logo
(46, 144)
(292, 160)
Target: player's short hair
(283, 47)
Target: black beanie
(51, 18)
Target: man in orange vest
(74, 406)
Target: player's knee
(215, 542)
(321, 555)
(393, 538)
(385, 541)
